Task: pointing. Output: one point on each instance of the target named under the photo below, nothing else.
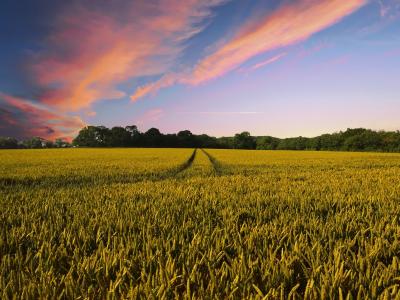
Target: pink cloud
(91, 113)
(22, 118)
(150, 116)
(389, 12)
(93, 50)
(265, 62)
(288, 25)
(165, 81)
(389, 8)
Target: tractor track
(214, 162)
(63, 181)
(186, 164)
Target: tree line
(358, 139)
(32, 143)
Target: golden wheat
(173, 223)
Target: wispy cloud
(150, 116)
(389, 8)
(22, 118)
(291, 23)
(165, 81)
(222, 112)
(264, 63)
(93, 49)
(91, 113)
(389, 12)
(90, 50)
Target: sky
(282, 68)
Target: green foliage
(34, 143)
(8, 143)
(130, 136)
(243, 141)
(267, 143)
(219, 224)
(60, 143)
(225, 142)
(358, 139)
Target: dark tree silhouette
(244, 141)
(358, 139)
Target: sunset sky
(281, 68)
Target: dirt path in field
(187, 163)
(215, 163)
(62, 181)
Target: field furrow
(218, 169)
(106, 167)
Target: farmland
(185, 223)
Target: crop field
(199, 224)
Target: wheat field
(199, 224)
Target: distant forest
(358, 139)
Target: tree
(390, 141)
(243, 141)
(60, 143)
(86, 137)
(363, 140)
(205, 141)
(287, 144)
(34, 143)
(358, 139)
(226, 142)
(153, 137)
(353, 132)
(331, 141)
(92, 136)
(47, 144)
(267, 143)
(135, 135)
(119, 137)
(314, 143)
(301, 143)
(8, 143)
(170, 140)
(186, 139)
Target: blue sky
(281, 68)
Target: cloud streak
(389, 8)
(150, 116)
(93, 50)
(22, 119)
(266, 62)
(217, 113)
(289, 24)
